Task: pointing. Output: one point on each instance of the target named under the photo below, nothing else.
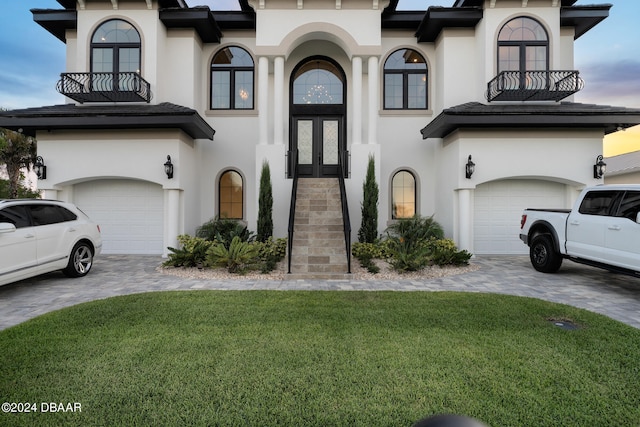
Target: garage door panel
(498, 208)
(130, 214)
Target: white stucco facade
(542, 164)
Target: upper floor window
(403, 195)
(115, 48)
(405, 81)
(230, 195)
(232, 79)
(523, 46)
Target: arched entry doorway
(318, 114)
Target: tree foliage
(368, 232)
(265, 205)
(17, 152)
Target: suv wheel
(80, 260)
(543, 255)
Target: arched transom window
(230, 195)
(232, 85)
(405, 81)
(403, 195)
(318, 82)
(523, 46)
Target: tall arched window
(232, 80)
(115, 48)
(523, 46)
(403, 195)
(405, 81)
(230, 195)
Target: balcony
(104, 87)
(533, 86)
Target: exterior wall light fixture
(168, 167)
(469, 168)
(39, 168)
(599, 168)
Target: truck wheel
(543, 255)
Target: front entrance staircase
(318, 249)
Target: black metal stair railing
(104, 87)
(292, 159)
(346, 221)
(533, 85)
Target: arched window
(230, 195)
(405, 81)
(523, 46)
(232, 80)
(403, 195)
(318, 82)
(115, 48)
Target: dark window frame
(232, 72)
(405, 73)
(242, 190)
(394, 215)
(116, 46)
(522, 46)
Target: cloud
(611, 83)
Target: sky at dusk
(608, 56)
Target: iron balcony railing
(533, 85)
(104, 87)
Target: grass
(321, 359)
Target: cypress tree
(368, 232)
(265, 205)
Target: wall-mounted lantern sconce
(469, 168)
(599, 168)
(168, 167)
(39, 168)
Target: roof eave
(447, 121)
(437, 18)
(56, 21)
(199, 18)
(190, 122)
(583, 18)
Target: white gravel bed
(357, 272)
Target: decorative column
(172, 221)
(374, 86)
(263, 100)
(278, 100)
(465, 219)
(356, 101)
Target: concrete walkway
(613, 295)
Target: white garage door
(130, 214)
(498, 208)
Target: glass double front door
(319, 142)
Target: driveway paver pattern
(613, 295)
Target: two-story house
(172, 111)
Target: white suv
(40, 236)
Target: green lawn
(321, 359)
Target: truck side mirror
(638, 218)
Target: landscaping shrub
(223, 230)
(238, 258)
(192, 252)
(270, 253)
(368, 232)
(445, 252)
(265, 204)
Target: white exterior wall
(460, 63)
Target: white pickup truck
(602, 230)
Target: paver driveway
(613, 295)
